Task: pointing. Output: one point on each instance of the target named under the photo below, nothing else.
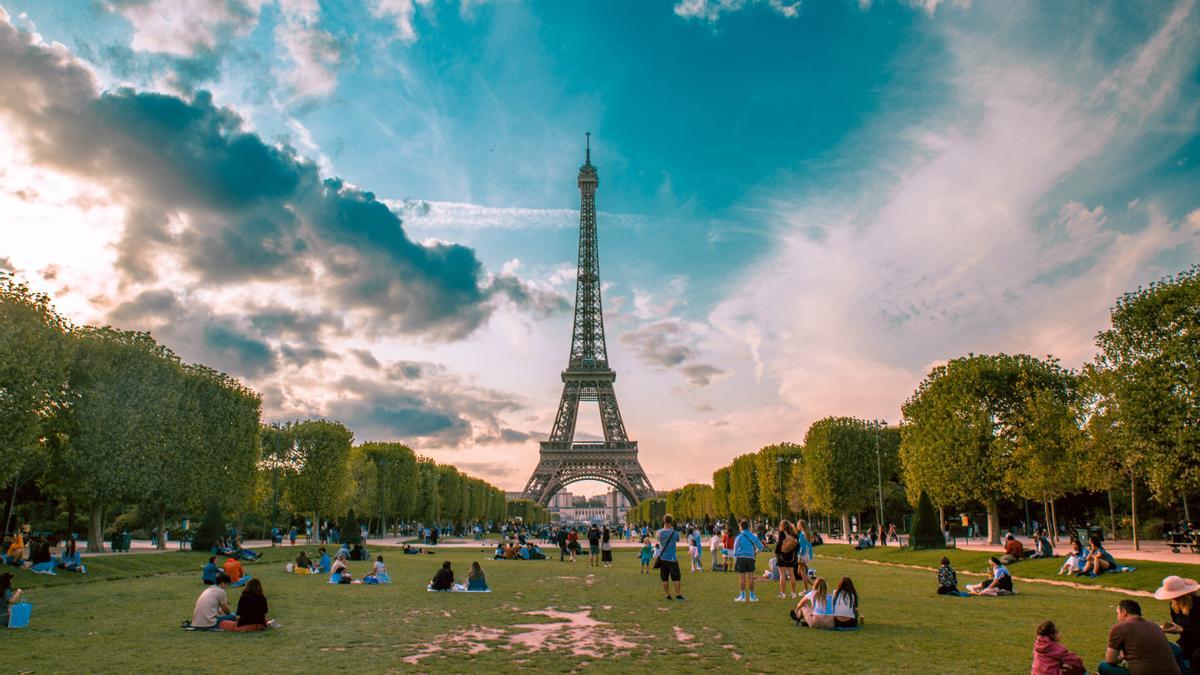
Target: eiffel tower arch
(588, 378)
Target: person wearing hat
(1185, 618)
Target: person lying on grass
(948, 580)
(1001, 583)
(1050, 657)
(443, 580)
(251, 610)
(212, 607)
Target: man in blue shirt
(745, 547)
(668, 563)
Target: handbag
(789, 544)
(670, 542)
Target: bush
(351, 534)
(211, 528)
(926, 530)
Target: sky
(367, 209)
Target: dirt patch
(682, 636)
(576, 632)
(473, 640)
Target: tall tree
(963, 424)
(842, 467)
(743, 487)
(323, 449)
(35, 359)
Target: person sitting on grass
(1075, 561)
(864, 542)
(344, 551)
(845, 605)
(498, 554)
(40, 561)
(235, 571)
(815, 609)
(1042, 548)
(1185, 620)
(212, 607)
(948, 580)
(304, 564)
(745, 547)
(323, 562)
(1050, 657)
(70, 560)
(443, 579)
(211, 571)
(1099, 560)
(379, 573)
(476, 581)
(244, 553)
(1001, 583)
(340, 572)
(1140, 643)
(1013, 550)
(251, 611)
(11, 597)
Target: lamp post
(275, 479)
(879, 473)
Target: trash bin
(120, 542)
(1097, 532)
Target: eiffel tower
(588, 377)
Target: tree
(964, 423)
(211, 528)
(351, 531)
(35, 358)
(841, 469)
(395, 469)
(1148, 370)
(743, 487)
(323, 450)
(721, 491)
(926, 527)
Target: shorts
(669, 569)
(594, 549)
(744, 565)
(791, 564)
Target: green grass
(1147, 577)
(125, 616)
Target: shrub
(350, 532)
(926, 530)
(212, 527)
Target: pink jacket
(1051, 658)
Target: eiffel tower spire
(588, 377)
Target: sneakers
(668, 596)
(753, 597)
(794, 596)
(679, 597)
(781, 596)
(740, 598)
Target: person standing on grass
(745, 547)
(804, 552)
(646, 555)
(786, 557)
(696, 549)
(593, 537)
(668, 561)
(606, 547)
(561, 539)
(1141, 643)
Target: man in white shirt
(212, 607)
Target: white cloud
(183, 28)
(400, 13)
(435, 215)
(711, 10)
(313, 53)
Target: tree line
(981, 429)
(99, 420)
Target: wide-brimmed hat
(1173, 587)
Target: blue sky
(804, 205)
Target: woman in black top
(444, 579)
(1185, 618)
(252, 606)
(787, 561)
(606, 546)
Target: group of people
(819, 608)
(443, 579)
(514, 550)
(232, 547)
(1135, 645)
(37, 556)
(231, 567)
(212, 610)
(1093, 561)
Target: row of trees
(981, 429)
(101, 418)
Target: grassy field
(125, 616)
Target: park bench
(1180, 539)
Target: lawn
(125, 616)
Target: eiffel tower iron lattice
(588, 377)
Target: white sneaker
(753, 597)
(781, 595)
(740, 598)
(794, 596)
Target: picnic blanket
(458, 588)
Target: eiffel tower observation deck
(588, 377)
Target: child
(695, 550)
(948, 580)
(647, 555)
(745, 547)
(1050, 657)
(714, 544)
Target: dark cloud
(234, 208)
(540, 303)
(365, 357)
(185, 73)
(251, 355)
(489, 469)
(302, 355)
(664, 344)
(506, 435)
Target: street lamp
(275, 480)
(879, 472)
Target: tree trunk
(846, 526)
(941, 519)
(162, 527)
(1054, 520)
(96, 528)
(1137, 545)
(993, 517)
(12, 502)
(1028, 519)
(70, 516)
(316, 526)
(1112, 517)
(1187, 517)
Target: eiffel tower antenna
(588, 377)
